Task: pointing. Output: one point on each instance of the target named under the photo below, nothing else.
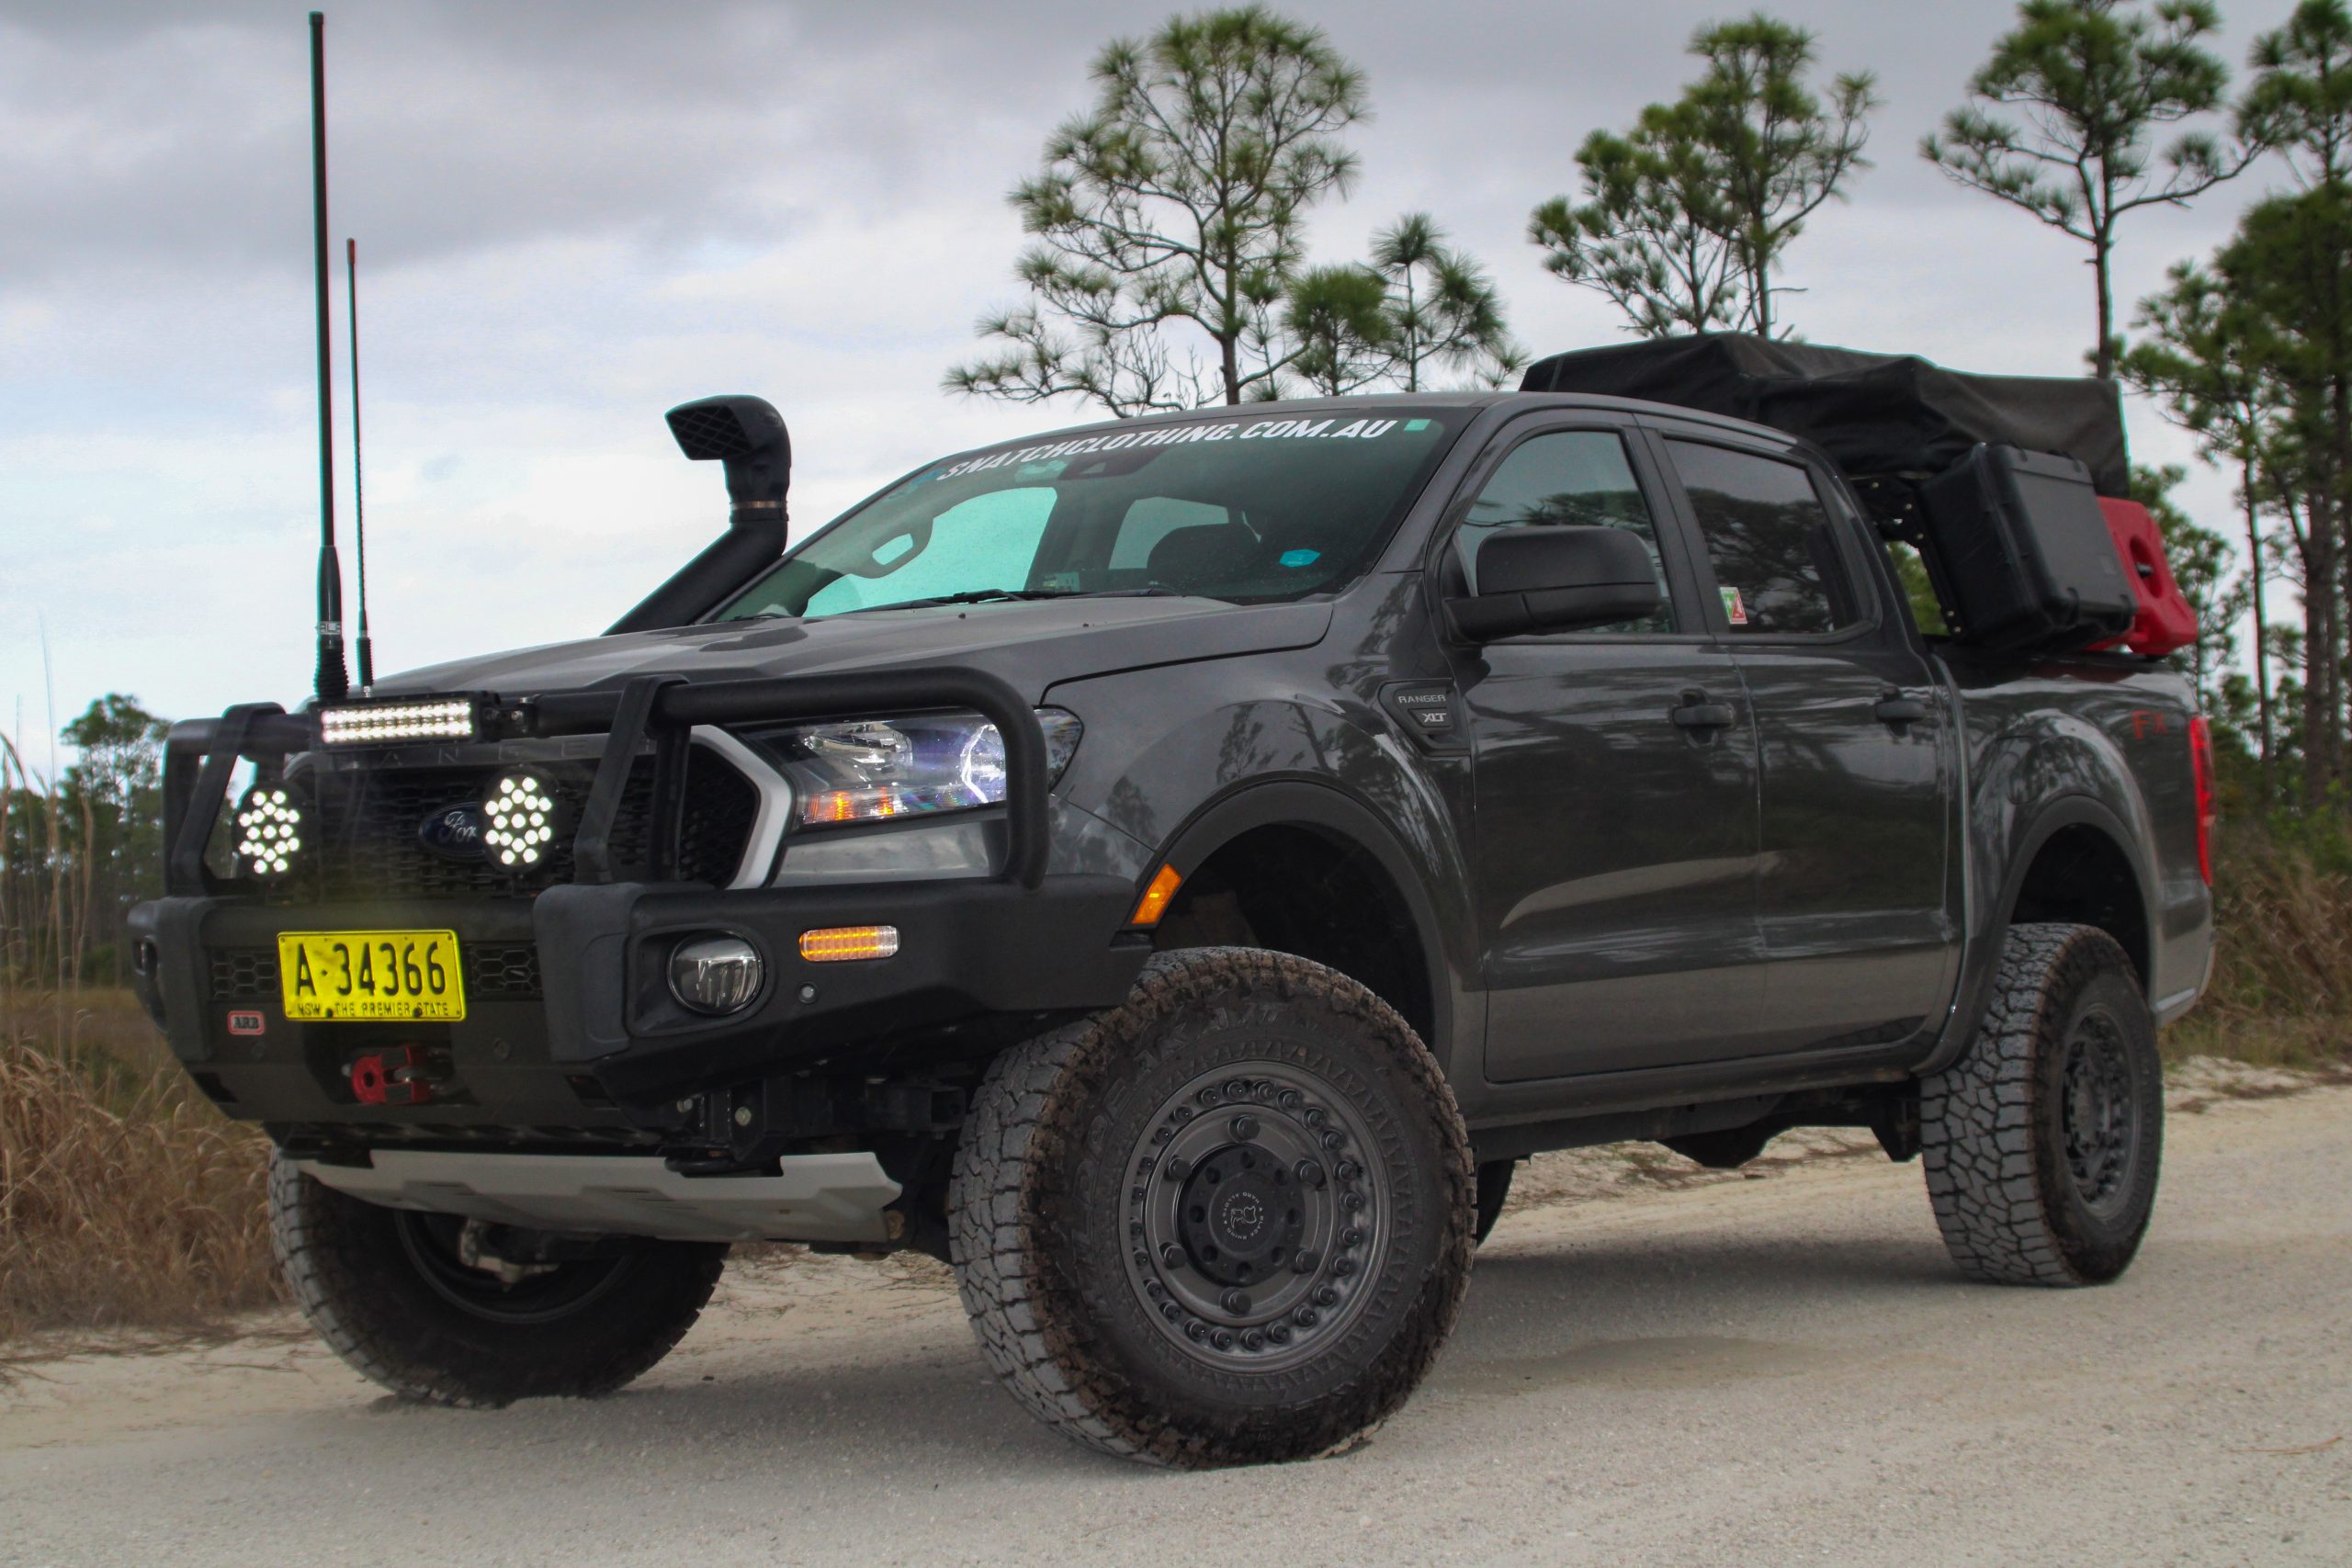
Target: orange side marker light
(1154, 902)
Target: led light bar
(846, 944)
(382, 724)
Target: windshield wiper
(991, 595)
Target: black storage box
(2025, 552)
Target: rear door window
(1774, 548)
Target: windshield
(1249, 509)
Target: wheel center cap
(1240, 1216)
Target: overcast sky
(571, 217)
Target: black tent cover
(1878, 416)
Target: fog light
(521, 820)
(717, 974)
(843, 945)
(269, 832)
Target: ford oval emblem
(454, 833)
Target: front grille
(369, 819)
(245, 974)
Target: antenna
(332, 681)
(358, 495)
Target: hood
(1031, 644)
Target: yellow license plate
(371, 976)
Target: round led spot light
(269, 832)
(522, 821)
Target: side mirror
(1554, 577)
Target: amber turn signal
(844, 945)
(1154, 902)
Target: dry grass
(2282, 994)
(125, 1200)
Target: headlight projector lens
(522, 821)
(717, 974)
(269, 832)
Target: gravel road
(1773, 1371)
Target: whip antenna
(358, 494)
(332, 681)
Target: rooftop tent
(1880, 416)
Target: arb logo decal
(247, 1023)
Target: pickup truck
(1172, 870)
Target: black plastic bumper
(599, 1031)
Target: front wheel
(1228, 1222)
(395, 1294)
(2041, 1142)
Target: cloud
(572, 216)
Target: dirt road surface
(1773, 1371)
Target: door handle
(1697, 712)
(1894, 708)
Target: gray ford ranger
(1173, 869)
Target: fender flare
(1983, 954)
(1327, 808)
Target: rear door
(1855, 747)
(1614, 775)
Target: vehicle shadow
(1619, 1310)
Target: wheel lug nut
(1171, 1310)
(1154, 1288)
(1346, 1169)
(1306, 1261)
(1335, 1139)
(1143, 1260)
(1196, 1330)
(1171, 1255)
(1313, 1116)
(1310, 1174)
(1327, 1296)
(1306, 1317)
(1289, 1099)
(1279, 1333)
(1182, 1113)
(1351, 1237)
(1134, 1229)
(1145, 1164)
(1350, 1200)
(1244, 1129)
(1264, 1094)
(1208, 1096)
(1253, 1339)
(1236, 1090)
(1235, 1302)
(1343, 1266)
(1178, 1168)
(1163, 1135)
(1222, 1339)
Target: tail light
(2200, 761)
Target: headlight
(269, 832)
(877, 770)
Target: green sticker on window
(1417, 425)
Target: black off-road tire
(1494, 1190)
(383, 1290)
(2041, 1142)
(1073, 1156)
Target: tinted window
(1773, 545)
(1248, 508)
(1577, 476)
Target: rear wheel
(1225, 1222)
(406, 1300)
(2041, 1144)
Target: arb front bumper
(572, 1035)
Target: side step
(835, 1197)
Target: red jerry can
(2164, 621)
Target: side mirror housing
(1554, 577)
